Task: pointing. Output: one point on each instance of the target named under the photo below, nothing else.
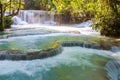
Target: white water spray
(45, 20)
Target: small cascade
(81, 44)
(115, 49)
(35, 17)
(74, 62)
(113, 69)
(30, 55)
(85, 24)
(16, 20)
(7, 55)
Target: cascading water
(34, 17)
(74, 62)
(45, 20)
(113, 66)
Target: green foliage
(39, 4)
(55, 45)
(107, 18)
(8, 21)
(106, 13)
(12, 6)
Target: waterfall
(113, 69)
(81, 44)
(16, 55)
(7, 55)
(34, 17)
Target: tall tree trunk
(10, 6)
(1, 17)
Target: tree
(1, 17)
(13, 6)
(107, 18)
(38, 4)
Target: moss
(54, 45)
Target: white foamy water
(45, 20)
(71, 29)
(41, 69)
(73, 63)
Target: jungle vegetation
(10, 6)
(105, 14)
